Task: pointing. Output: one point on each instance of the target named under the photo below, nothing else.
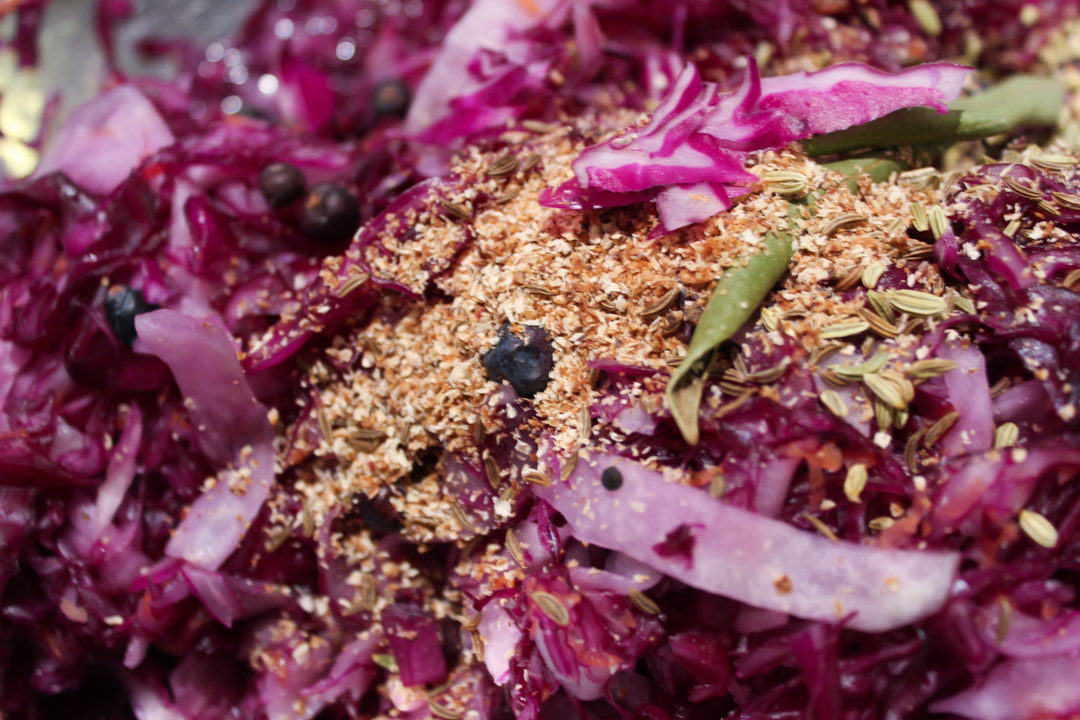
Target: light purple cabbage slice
(102, 141)
(233, 432)
(1021, 690)
(748, 557)
(689, 157)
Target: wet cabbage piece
(490, 359)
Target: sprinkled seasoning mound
(415, 391)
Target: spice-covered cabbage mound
(522, 359)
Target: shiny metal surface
(72, 63)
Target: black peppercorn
(390, 97)
(122, 305)
(611, 478)
(281, 184)
(331, 213)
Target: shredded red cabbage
(143, 486)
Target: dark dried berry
(331, 214)
(122, 304)
(282, 184)
(525, 364)
(611, 478)
(390, 97)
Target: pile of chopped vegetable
(502, 359)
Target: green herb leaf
(1020, 101)
(911, 126)
(735, 298)
(879, 169)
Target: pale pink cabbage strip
(749, 557)
(969, 393)
(102, 141)
(1021, 690)
(232, 430)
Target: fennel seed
(844, 328)
(833, 401)
(552, 607)
(1006, 435)
(1038, 528)
(855, 482)
(643, 602)
(916, 302)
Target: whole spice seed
(568, 466)
(999, 387)
(459, 211)
(530, 162)
(1038, 528)
(1022, 189)
(964, 304)
(763, 377)
(1066, 200)
(917, 302)
(820, 526)
(843, 223)
(902, 384)
(1054, 162)
(538, 126)
(552, 607)
(883, 522)
(854, 482)
(717, 486)
(880, 303)
(887, 390)
(874, 364)
(324, 424)
(1072, 280)
(911, 449)
(785, 182)
(879, 325)
(844, 328)
(536, 477)
(461, 516)
(930, 368)
(834, 402)
(584, 424)
(939, 224)
(769, 319)
(491, 468)
(919, 220)
(352, 283)
(918, 252)
(1006, 435)
(848, 281)
(926, 16)
(872, 273)
(833, 378)
(1004, 620)
(883, 414)
(506, 165)
(663, 304)
(514, 547)
(507, 196)
(937, 431)
(643, 602)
